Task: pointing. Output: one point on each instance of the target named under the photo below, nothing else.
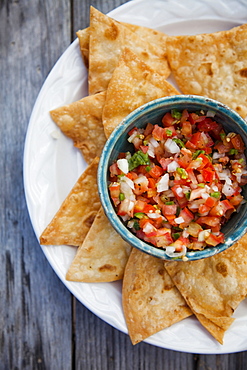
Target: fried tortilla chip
(151, 302)
(82, 122)
(152, 36)
(213, 287)
(107, 40)
(83, 37)
(133, 84)
(71, 223)
(102, 256)
(214, 65)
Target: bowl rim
(106, 202)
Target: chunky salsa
(182, 183)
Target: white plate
(52, 166)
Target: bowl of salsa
(172, 178)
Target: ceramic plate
(52, 164)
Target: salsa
(182, 182)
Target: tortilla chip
(107, 40)
(152, 36)
(71, 223)
(82, 122)
(83, 37)
(102, 256)
(151, 302)
(214, 65)
(213, 287)
(133, 84)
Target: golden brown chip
(151, 302)
(214, 65)
(71, 223)
(83, 37)
(107, 40)
(133, 84)
(152, 36)
(82, 122)
(102, 256)
(213, 287)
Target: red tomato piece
(156, 172)
(168, 120)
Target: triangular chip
(82, 122)
(83, 37)
(107, 40)
(152, 36)
(213, 287)
(214, 65)
(151, 302)
(71, 223)
(102, 256)
(133, 84)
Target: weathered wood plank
(34, 303)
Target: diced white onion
(163, 183)
(203, 235)
(210, 113)
(170, 251)
(123, 165)
(179, 220)
(171, 146)
(150, 151)
(129, 182)
(205, 195)
(131, 138)
(217, 155)
(154, 215)
(154, 142)
(228, 190)
(172, 166)
(148, 228)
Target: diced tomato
(114, 170)
(203, 209)
(187, 215)
(164, 240)
(169, 209)
(208, 175)
(158, 132)
(223, 147)
(210, 202)
(114, 189)
(227, 208)
(193, 118)
(186, 129)
(164, 162)
(169, 131)
(148, 130)
(238, 143)
(168, 120)
(208, 125)
(209, 221)
(144, 148)
(215, 239)
(156, 172)
(236, 199)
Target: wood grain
(42, 325)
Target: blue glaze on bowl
(152, 112)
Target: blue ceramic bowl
(152, 112)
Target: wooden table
(42, 324)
